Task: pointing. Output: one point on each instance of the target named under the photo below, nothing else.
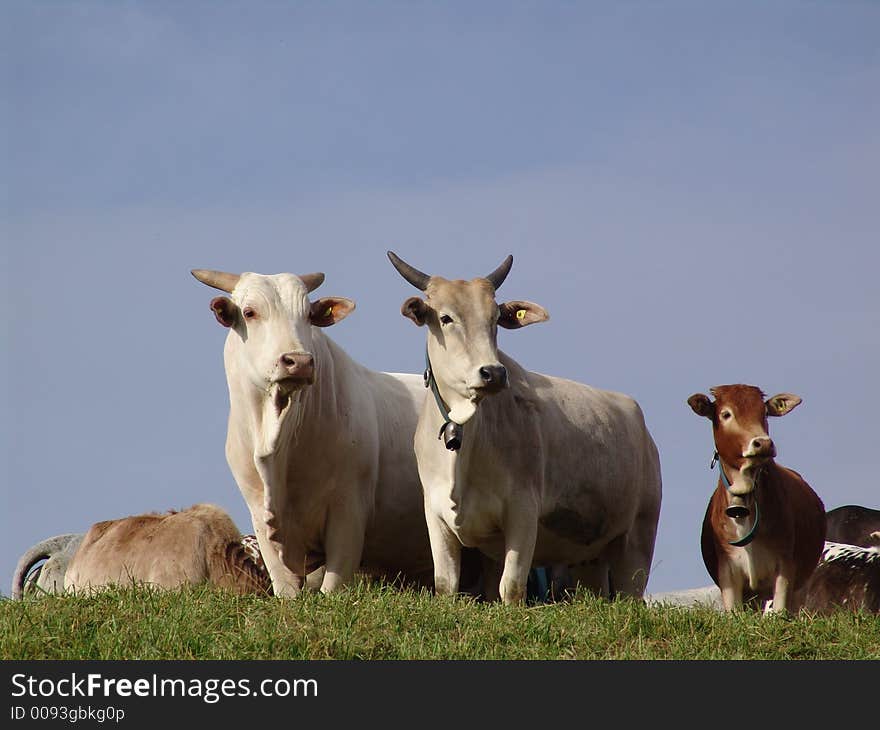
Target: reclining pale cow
(528, 468)
(197, 545)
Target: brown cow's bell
(737, 508)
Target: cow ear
(415, 309)
(225, 310)
(330, 310)
(516, 314)
(781, 404)
(702, 405)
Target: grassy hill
(376, 622)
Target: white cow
(526, 467)
(320, 446)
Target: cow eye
(249, 313)
(445, 319)
(726, 415)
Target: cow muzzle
(492, 378)
(295, 369)
(760, 447)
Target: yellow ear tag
(328, 312)
(520, 313)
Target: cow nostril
(493, 374)
(296, 362)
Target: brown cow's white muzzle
(760, 447)
(296, 368)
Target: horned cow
(528, 468)
(319, 445)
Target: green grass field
(376, 622)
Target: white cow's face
(463, 319)
(271, 318)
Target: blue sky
(689, 188)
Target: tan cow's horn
(312, 281)
(497, 277)
(217, 279)
(415, 277)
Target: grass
(380, 622)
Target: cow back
(853, 525)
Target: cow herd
(465, 479)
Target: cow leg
(628, 566)
(446, 552)
(344, 546)
(284, 581)
(731, 597)
(560, 581)
(592, 575)
(520, 533)
(731, 585)
(780, 594)
(491, 579)
(630, 554)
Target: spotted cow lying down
(847, 577)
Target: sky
(690, 189)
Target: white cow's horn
(217, 279)
(497, 277)
(312, 281)
(415, 277)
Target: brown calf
(764, 527)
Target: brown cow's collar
(743, 541)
